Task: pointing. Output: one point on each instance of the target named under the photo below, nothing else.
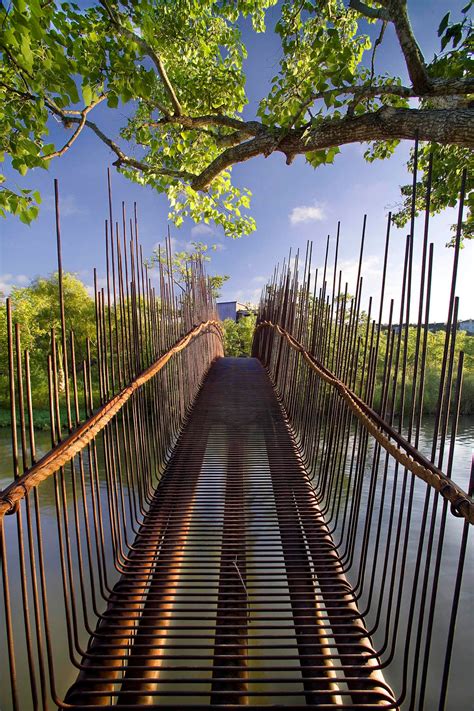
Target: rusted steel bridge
(210, 531)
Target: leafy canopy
(174, 68)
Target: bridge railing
(78, 496)
(399, 509)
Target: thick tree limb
(414, 59)
(450, 126)
(438, 87)
(447, 126)
(450, 87)
(232, 139)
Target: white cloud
(307, 213)
(68, 206)
(259, 279)
(7, 281)
(101, 284)
(175, 245)
(201, 229)
(248, 296)
(189, 246)
(371, 272)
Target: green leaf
(443, 24)
(112, 100)
(26, 54)
(87, 94)
(25, 218)
(20, 5)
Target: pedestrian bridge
(233, 591)
(267, 531)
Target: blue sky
(290, 204)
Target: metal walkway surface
(232, 592)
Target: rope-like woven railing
(67, 449)
(462, 504)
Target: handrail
(462, 505)
(58, 456)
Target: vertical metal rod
(11, 380)
(61, 306)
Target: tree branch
(438, 87)
(123, 159)
(75, 135)
(232, 139)
(371, 12)
(447, 126)
(395, 11)
(150, 52)
(377, 44)
(250, 128)
(414, 59)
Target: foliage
(448, 163)
(36, 309)
(457, 45)
(435, 343)
(181, 261)
(238, 336)
(435, 348)
(176, 70)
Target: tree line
(36, 309)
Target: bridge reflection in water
(276, 535)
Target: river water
(460, 685)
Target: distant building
(467, 325)
(232, 309)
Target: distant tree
(238, 336)
(435, 350)
(36, 309)
(177, 70)
(181, 262)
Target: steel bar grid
(234, 516)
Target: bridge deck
(232, 592)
